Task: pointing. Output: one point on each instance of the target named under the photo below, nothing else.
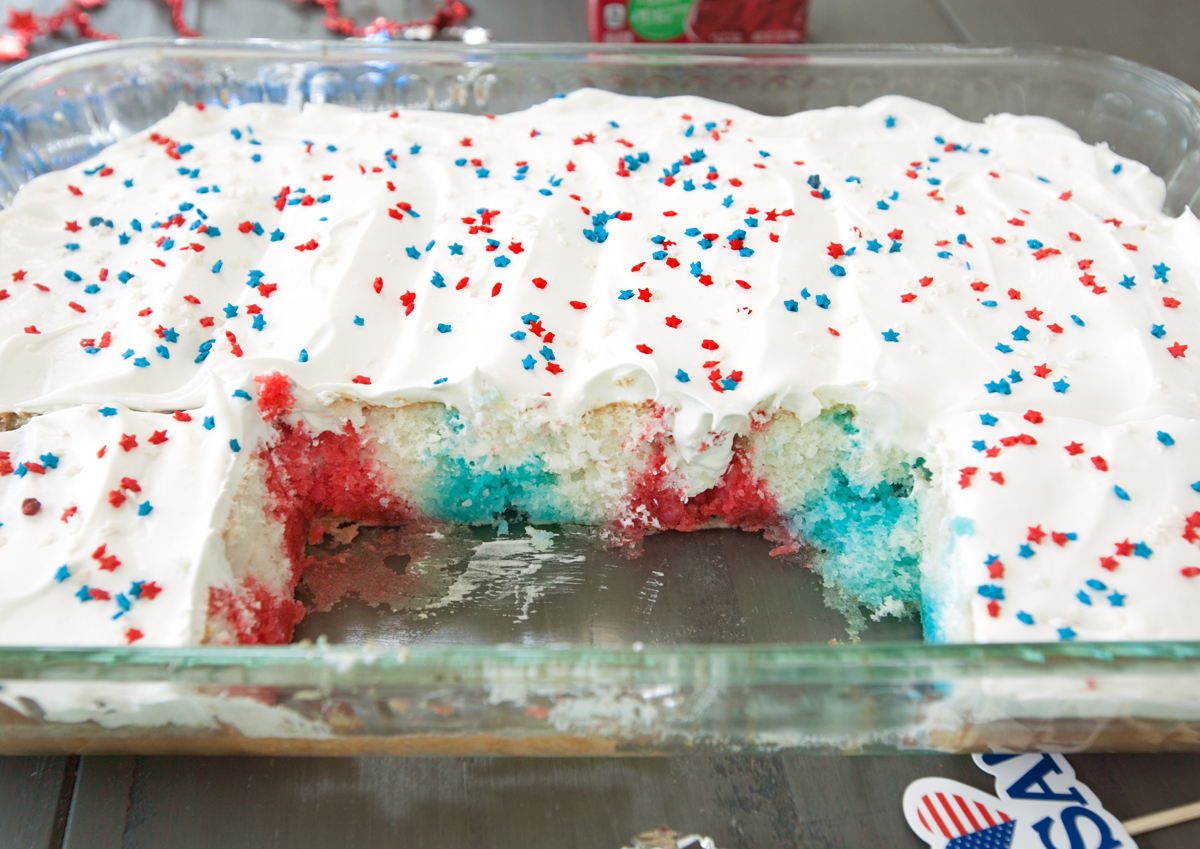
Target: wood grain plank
(29, 801)
(101, 803)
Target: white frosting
(918, 368)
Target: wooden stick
(1162, 819)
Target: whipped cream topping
(112, 521)
(600, 248)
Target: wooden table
(775, 801)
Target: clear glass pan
(572, 677)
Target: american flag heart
(955, 816)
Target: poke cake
(949, 358)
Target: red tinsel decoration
(27, 27)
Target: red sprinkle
(645, 349)
(365, 381)
(540, 282)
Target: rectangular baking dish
(705, 642)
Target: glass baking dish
(702, 643)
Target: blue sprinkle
(979, 445)
(71, 246)
(83, 594)
(682, 376)
(303, 355)
(1025, 551)
(1121, 494)
(162, 351)
(216, 269)
(1024, 618)
(234, 446)
(50, 461)
(530, 318)
(440, 381)
(546, 192)
(443, 328)
(209, 423)
(1078, 320)
(241, 393)
(944, 254)
(750, 252)
(437, 280)
(890, 335)
(141, 362)
(889, 122)
(212, 231)
(1061, 386)
(547, 354)
(1084, 597)
(359, 320)
(123, 238)
(529, 362)
(1116, 169)
(128, 353)
(260, 321)
(481, 172)
(659, 255)
(999, 387)
(1157, 331)
(988, 303)
(791, 305)
(257, 230)
(135, 224)
(873, 245)
(1066, 634)
(823, 302)
(625, 295)
(91, 289)
(688, 186)
(1003, 349)
(727, 202)
(1160, 272)
(501, 261)
(728, 384)
(1096, 585)
(881, 204)
(753, 222)
(1021, 334)
(230, 310)
(1142, 550)
(1127, 282)
(72, 276)
(415, 149)
(992, 591)
(519, 335)
(837, 271)
(1116, 599)
(1015, 376)
(894, 249)
(1165, 438)
(144, 508)
(429, 247)
(933, 181)
(696, 269)
(62, 574)
(804, 293)
(412, 252)
(276, 235)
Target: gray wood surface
(739, 801)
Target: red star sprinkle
(925, 281)
(835, 250)
(132, 635)
(1100, 463)
(1054, 328)
(673, 321)
(1036, 534)
(1035, 314)
(1034, 417)
(1125, 549)
(709, 345)
(907, 298)
(1109, 563)
(1170, 303)
(554, 368)
(644, 295)
(998, 477)
(1074, 448)
(128, 441)
(1014, 295)
(579, 305)
(645, 349)
(1178, 350)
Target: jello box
(711, 21)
